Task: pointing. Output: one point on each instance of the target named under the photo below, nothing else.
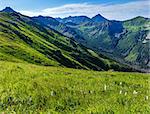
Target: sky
(111, 9)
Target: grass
(27, 88)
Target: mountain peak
(8, 10)
(98, 15)
(99, 18)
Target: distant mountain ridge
(124, 41)
(112, 38)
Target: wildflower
(120, 83)
(120, 92)
(146, 97)
(53, 93)
(90, 91)
(105, 87)
(125, 93)
(135, 92)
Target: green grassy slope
(27, 88)
(23, 40)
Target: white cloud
(116, 11)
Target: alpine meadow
(69, 59)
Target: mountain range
(76, 42)
(124, 41)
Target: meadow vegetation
(28, 88)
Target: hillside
(24, 40)
(125, 41)
(27, 88)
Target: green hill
(23, 40)
(27, 88)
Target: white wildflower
(135, 92)
(146, 97)
(125, 93)
(53, 93)
(120, 92)
(91, 92)
(105, 87)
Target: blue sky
(112, 9)
(40, 4)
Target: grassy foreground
(37, 89)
